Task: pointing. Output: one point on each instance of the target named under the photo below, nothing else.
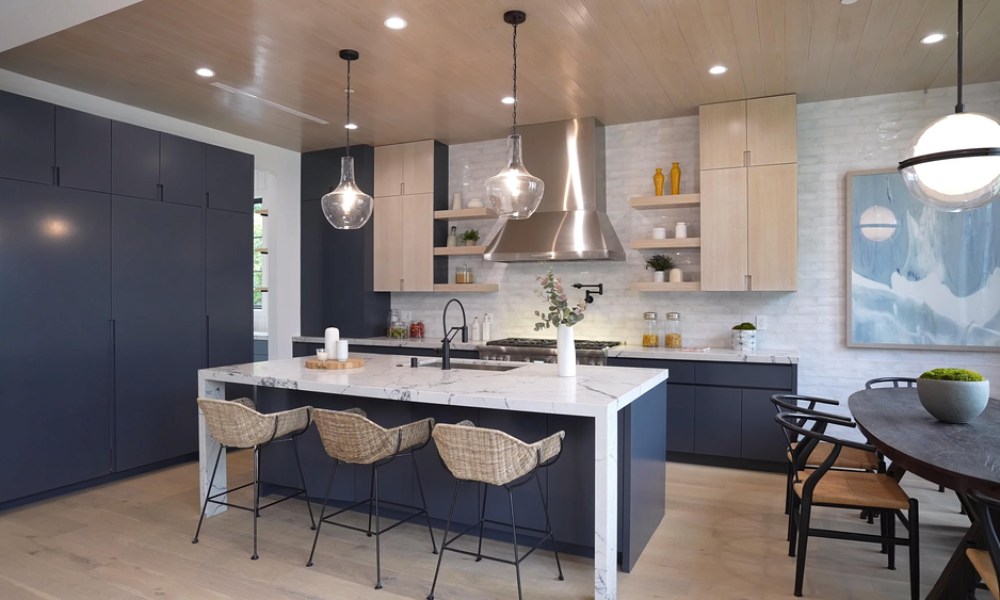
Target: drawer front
(780, 377)
(681, 371)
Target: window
(259, 251)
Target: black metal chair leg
(302, 479)
(883, 524)
(913, 527)
(793, 525)
(378, 530)
(803, 535)
(482, 517)
(322, 513)
(548, 525)
(444, 538)
(371, 494)
(890, 528)
(423, 503)
(513, 530)
(256, 497)
(208, 494)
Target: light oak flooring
(723, 537)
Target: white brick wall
(834, 137)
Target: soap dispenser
(477, 331)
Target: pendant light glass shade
(514, 192)
(347, 207)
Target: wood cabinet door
(387, 247)
(772, 227)
(417, 242)
(771, 130)
(723, 134)
(724, 230)
(389, 170)
(418, 167)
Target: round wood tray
(332, 364)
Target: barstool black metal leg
(482, 518)
(548, 525)
(322, 513)
(423, 503)
(371, 494)
(302, 479)
(256, 497)
(513, 530)
(378, 531)
(208, 494)
(444, 537)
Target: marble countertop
(530, 387)
(764, 356)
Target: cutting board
(331, 364)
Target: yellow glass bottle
(675, 179)
(658, 178)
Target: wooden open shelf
(261, 250)
(659, 202)
(263, 212)
(460, 251)
(654, 286)
(464, 214)
(667, 244)
(466, 287)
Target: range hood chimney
(571, 222)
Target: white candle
(331, 337)
(342, 350)
(321, 354)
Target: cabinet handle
(55, 174)
(402, 188)
(746, 158)
(748, 282)
(159, 190)
(401, 284)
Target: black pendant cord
(513, 130)
(959, 107)
(348, 123)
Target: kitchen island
(621, 410)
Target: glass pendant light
(953, 164)
(514, 192)
(347, 207)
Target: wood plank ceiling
(443, 76)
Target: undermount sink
(472, 366)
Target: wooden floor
(723, 538)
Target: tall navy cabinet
(119, 279)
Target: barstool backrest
(490, 455)
(352, 438)
(235, 425)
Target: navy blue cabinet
(27, 138)
(229, 299)
(158, 297)
(135, 161)
(55, 337)
(760, 437)
(680, 418)
(718, 420)
(229, 179)
(82, 150)
(182, 170)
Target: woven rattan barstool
(237, 424)
(350, 437)
(492, 457)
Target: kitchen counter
(601, 396)
(765, 356)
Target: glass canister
(650, 330)
(672, 330)
(397, 327)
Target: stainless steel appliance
(588, 352)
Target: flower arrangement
(559, 312)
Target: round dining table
(962, 457)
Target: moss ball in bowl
(953, 395)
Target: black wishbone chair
(828, 487)
(987, 562)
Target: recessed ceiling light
(395, 23)
(205, 72)
(507, 100)
(718, 70)
(933, 38)
(350, 126)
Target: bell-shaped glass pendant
(966, 174)
(347, 207)
(514, 192)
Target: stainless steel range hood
(570, 223)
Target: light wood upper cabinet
(404, 169)
(760, 131)
(772, 227)
(404, 243)
(724, 229)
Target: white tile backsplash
(834, 137)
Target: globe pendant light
(347, 207)
(953, 164)
(514, 192)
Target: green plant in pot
(660, 264)
(744, 338)
(470, 237)
(953, 395)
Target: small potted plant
(744, 338)
(660, 264)
(470, 237)
(953, 395)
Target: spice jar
(672, 330)
(397, 327)
(417, 329)
(650, 331)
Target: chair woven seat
(350, 437)
(492, 456)
(235, 423)
(849, 458)
(980, 559)
(853, 488)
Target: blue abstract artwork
(917, 276)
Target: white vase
(658, 276)
(744, 341)
(566, 351)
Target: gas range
(588, 352)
